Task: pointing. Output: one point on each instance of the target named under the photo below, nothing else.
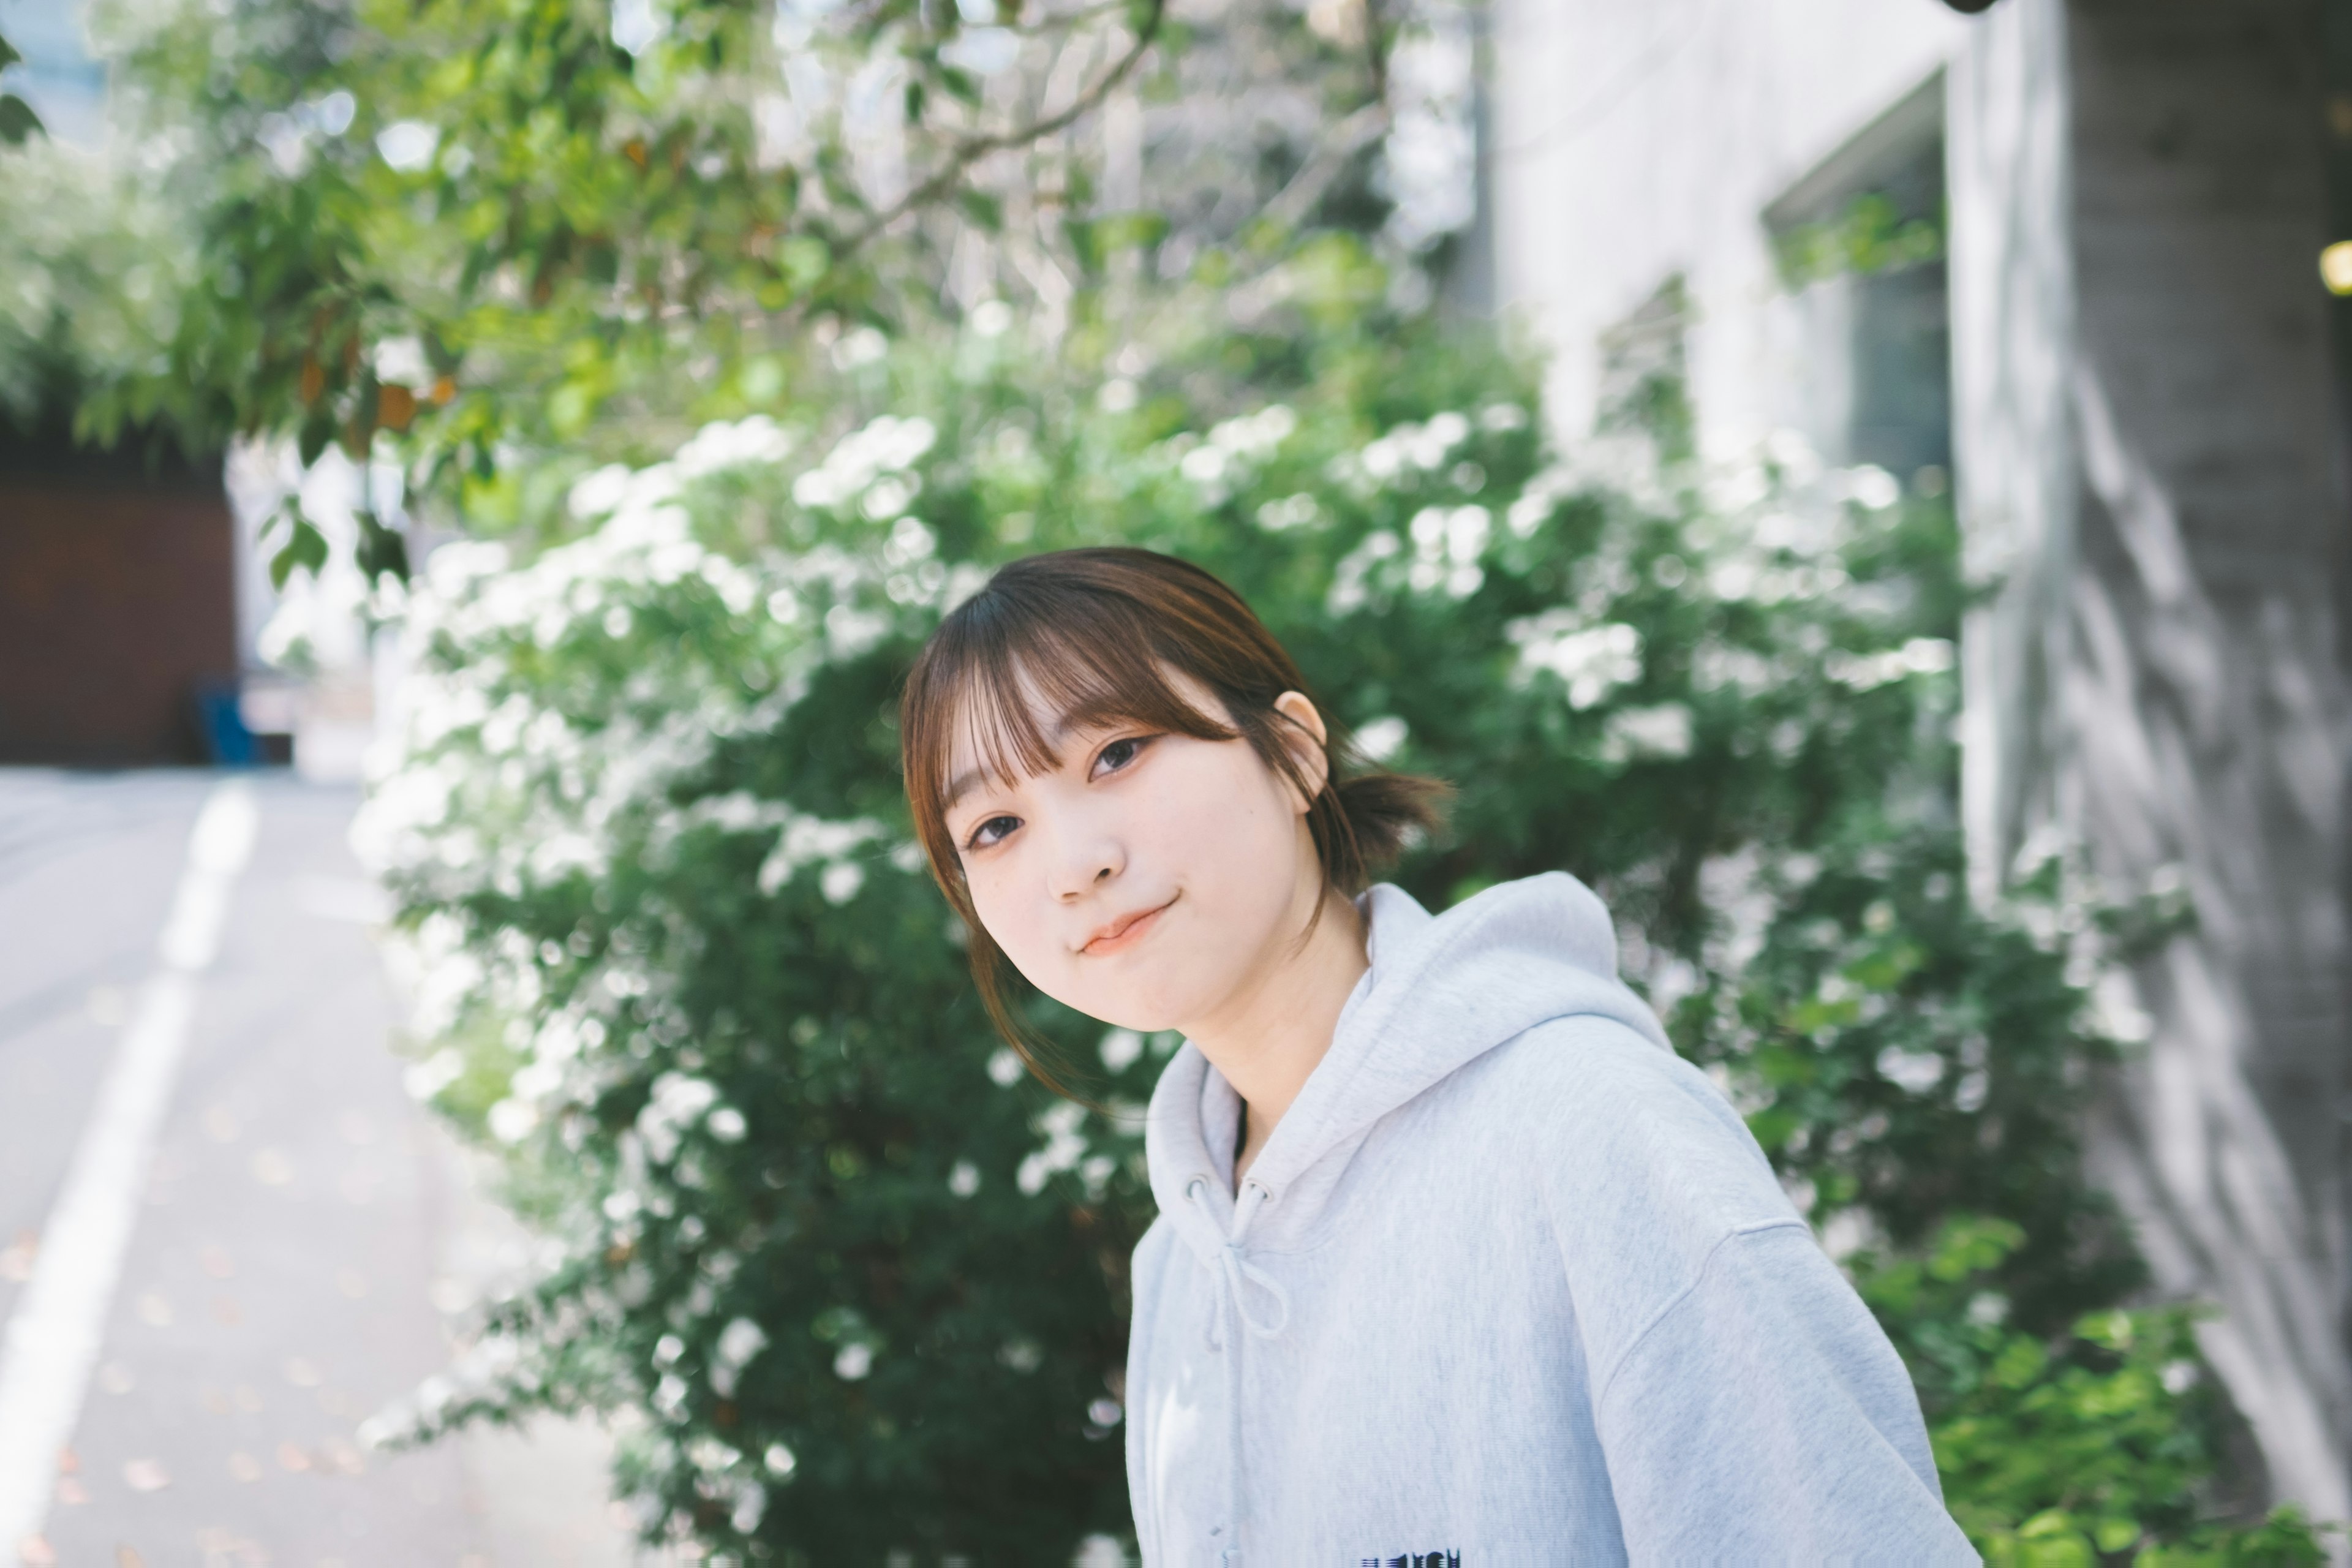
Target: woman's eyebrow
(964, 783)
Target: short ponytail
(1375, 818)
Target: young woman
(1458, 1264)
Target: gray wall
(2163, 675)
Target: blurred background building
(2062, 256)
(138, 621)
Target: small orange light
(2336, 267)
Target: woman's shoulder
(1589, 1065)
(1620, 1129)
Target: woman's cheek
(1015, 929)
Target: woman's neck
(1267, 1039)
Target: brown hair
(1093, 634)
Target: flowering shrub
(864, 1279)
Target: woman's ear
(1306, 737)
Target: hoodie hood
(1442, 991)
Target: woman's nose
(1084, 863)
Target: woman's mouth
(1123, 933)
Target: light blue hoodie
(1510, 1285)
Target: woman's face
(1148, 880)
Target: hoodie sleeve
(1750, 1407)
(1763, 1418)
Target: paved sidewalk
(307, 1239)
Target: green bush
(863, 1280)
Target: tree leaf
(380, 551)
(305, 549)
(17, 121)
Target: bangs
(1012, 673)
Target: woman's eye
(992, 831)
(1120, 753)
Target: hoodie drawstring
(1237, 1274)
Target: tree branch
(1291, 205)
(973, 149)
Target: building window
(1859, 243)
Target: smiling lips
(1123, 932)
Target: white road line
(60, 1325)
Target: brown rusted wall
(117, 599)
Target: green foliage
(864, 1282)
(95, 264)
(17, 121)
(2079, 1448)
(443, 230)
(1872, 235)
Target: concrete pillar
(2146, 446)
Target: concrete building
(2124, 359)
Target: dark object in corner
(118, 601)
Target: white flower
(1254, 435)
(805, 840)
(853, 1362)
(983, 51)
(402, 359)
(1350, 587)
(1291, 511)
(637, 23)
(1121, 1047)
(1203, 465)
(861, 347)
(1663, 730)
(722, 445)
(1920, 655)
(678, 1102)
(408, 145)
(739, 1341)
(1872, 488)
(912, 539)
(1927, 656)
(886, 446)
(1591, 662)
(1538, 501)
(1065, 1147)
(888, 497)
(1379, 737)
(1914, 1072)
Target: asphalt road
(305, 1243)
